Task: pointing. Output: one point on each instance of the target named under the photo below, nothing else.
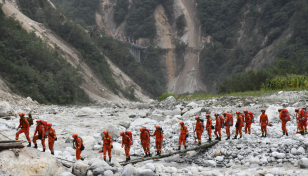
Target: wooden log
(11, 145)
(123, 163)
(9, 141)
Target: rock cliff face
(186, 79)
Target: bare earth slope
(92, 84)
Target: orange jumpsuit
(227, 120)
(248, 123)
(264, 123)
(301, 123)
(24, 124)
(208, 127)
(127, 142)
(218, 126)
(78, 148)
(159, 139)
(239, 120)
(41, 132)
(107, 145)
(182, 138)
(283, 123)
(51, 137)
(199, 129)
(145, 141)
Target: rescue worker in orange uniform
(41, 132)
(305, 121)
(247, 122)
(283, 122)
(239, 124)
(264, 123)
(208, 126)
(184, 134)
(218, 127)
(158, 133)
(199, 129)
(145, 141)
(107, 146)
(227, 124)
(52, 137)
(300, 121)
(127, 143)
(78, 145)
(25, 127)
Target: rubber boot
(35, 146)
(303, 133)
(127, 159)
(262, 135)
(185, 147)
(219, 138)
(265, 135)
(29, 145)
(235, 137)
(216, 138)
(210, 140)
(157, 154)
(150, 155)
(199, 143)
(240, 137)
(43, 150)
(109, 160)
(287, 134)
(284, 133)
(179, 148)
(52, 153)
(228, 138)
(105, 160)
(83, 159)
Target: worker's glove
(56, 139)
(17, 129)
(112, 146)
(100, 151)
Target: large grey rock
(99, 171)
(300, 151)
(79, 168)
(86, 111)
(192, 113)
(157, 117)
(6, 110)
(176, 111)
(280, 155)
(303, 163)
(169, 103)
(150, 166)
(146, 172)
(95, 163)
(113, 131)
(124, 124)
(254, 160)
(108, 173)
(128, 170)
(210, 163)
(293, 151)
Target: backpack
(252, 118)
(222, 121)
(286, 115)
(128, 133)
(44, 123)
(202, 122)
(303, 115)
(30, 120)
(82, 146)
(230, 119)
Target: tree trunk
(9, 141)
(123, 163)
(11, 145)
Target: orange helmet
(224, 114)
(245, 111)
(106, 132)
(49, 124)
(296, 110)
(216, 114)
(279, 109)
(122, 133)
(262, 110)
(207, 115)
(197, 117)
(75, 136)
(38, 120)
(238, 112)
(181, 123)
(21, 114)
(141, 129)
(157, 126)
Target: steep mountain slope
(92, 85)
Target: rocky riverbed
(251, 155)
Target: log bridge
(123, 163)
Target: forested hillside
(33, 69)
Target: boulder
(99, 171)
(66, 174)
(86, 111)
(79, 168)
(303, 163)
(280, 155)
(293, 151)
(117, 149)
(254, 160)
(150, 166)
(176, 111)
(146, 172)
(95, 163)
(192, 104)
(97, 147)
(157, 117)
(108, 173)
(300, 151)
(219, 158)
(128, 170)
(113, 131)
(169, 103)
(143, 121)
(210, 163)
(124, 124)
(192, 113)
(6, 110)
(88, 141)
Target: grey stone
(128, 170)
(124, 124)
(300, 151)
(303, 163)
(108, 173)
(210, 163)
(146, 172)
(98, 171)
(79, 168)
(150, 166)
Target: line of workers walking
(44, 130)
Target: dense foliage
(285, 82)
(141, 21)
(120, 11)
(148, 74)
(180, 24)
(33, 69)
(83, 10)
